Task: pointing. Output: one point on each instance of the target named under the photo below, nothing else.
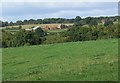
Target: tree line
(82, 21)
(73, 34)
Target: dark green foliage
(40, 32)
(22, 38)
(93, 23)
(86, 20)
(3, 24)
(108, 23)
(78, 18)
(11, 24)
(6, 39)
(80, 23)
(79, 33)
(19, 22)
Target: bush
(23, 38)
(27, 44)
(55, 39)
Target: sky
(21, 10)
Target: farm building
(36, 27)
(28, 29)
(103, 21)
(33, 28)
(54, 27)
(47, 27)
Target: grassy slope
(90, 60)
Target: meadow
(72, 61)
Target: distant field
(13, 28)
(89, 60)
(32, 25)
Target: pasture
(72, 61)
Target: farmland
(88, 60)
(32, 25)
(15, 28)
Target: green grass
(58, 30)
(89, 60)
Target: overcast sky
(12, 11)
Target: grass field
(89, 60)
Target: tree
(88, 20)
(77, 18)
(25, 21)
(108, 23)
(11, 23)
(19, 22)
(93, 23)
(6, 23)
(80, 23)
(39, 21)
(40, 32)
(6, 39)
(31, 21)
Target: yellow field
(32, 25)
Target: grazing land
(88, 60)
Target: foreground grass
(90, 60)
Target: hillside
(89, 60)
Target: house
(28, 29)
(34, 28)
(103, 21)
(50, 27)
(53, 26)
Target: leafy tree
(19, 22)
(80, 23)
(11, 23)
(88, 19)
(31, 21)
(108, 23)
(39, 21)
(78, 18)
(25, 22)
(40, 32)
(6, 39)
(93, 23)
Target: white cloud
(60, 1)
(13, 11)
